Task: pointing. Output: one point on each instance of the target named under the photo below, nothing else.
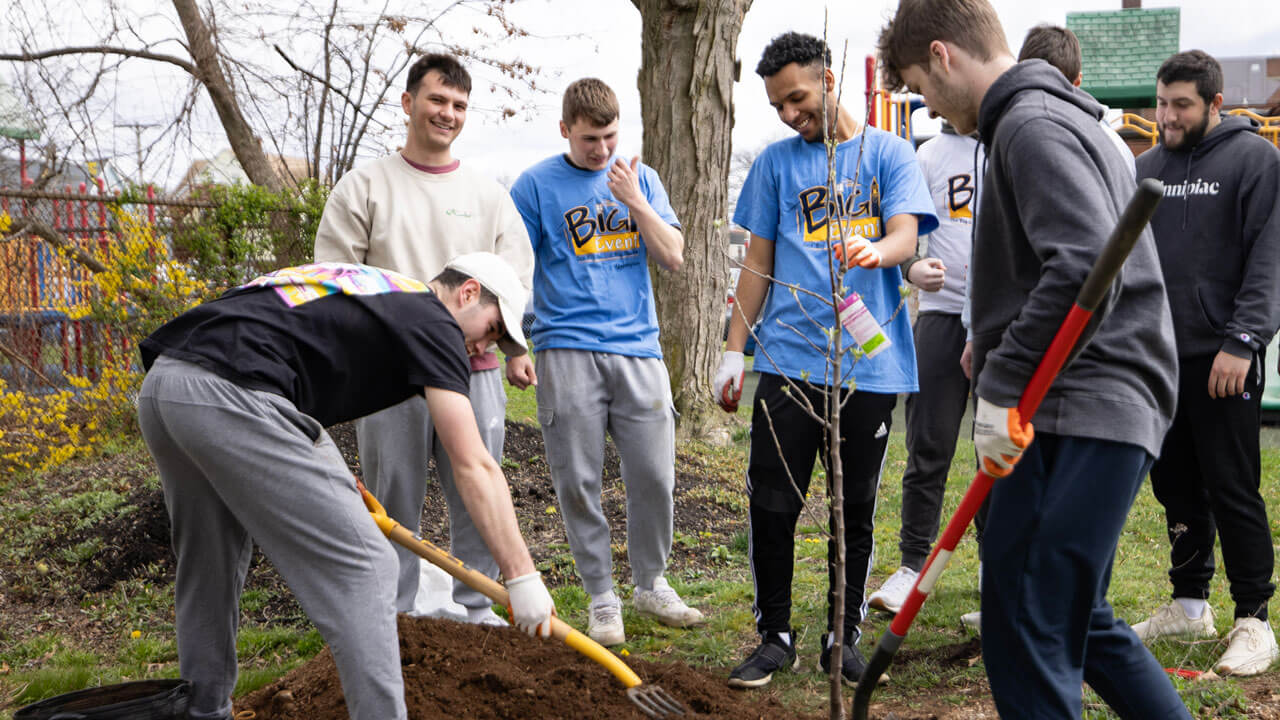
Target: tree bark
(244, 143)
(686, 101)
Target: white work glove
(727, 384)
(531, 605)
(1000, 437)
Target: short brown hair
(451, 72)
(1057, 46)
(1195, 66)
(971, 25)
(590, 99)
(452, 279)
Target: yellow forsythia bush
(141, 288)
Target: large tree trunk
(244, 143)
(686, 101)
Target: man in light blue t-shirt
(883, 204)
(594, 220)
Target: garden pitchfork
(651, 699)
(1136, 216)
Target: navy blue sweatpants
(1050, 541)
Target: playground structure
(45, 338)
(1146, 128)
(888, 111)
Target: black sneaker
(851, 663)
(758, 669)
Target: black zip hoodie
(1054, 188)
(1218, 235)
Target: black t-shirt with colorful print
(340, 341)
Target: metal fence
(54, 242)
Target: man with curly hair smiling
(881, 203)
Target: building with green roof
(1122, 51)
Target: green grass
(45, 662)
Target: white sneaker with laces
(1251, 649)
(972, 620)
(1172, 621)
(604, 623)
(893, 593)
(663, 603)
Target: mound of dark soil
(453, 670)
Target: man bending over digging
(233, 409)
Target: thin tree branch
(17, 358)
(804, 504)
(101, 50)
(57, 239)
(325, 83)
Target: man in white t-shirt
(412, 212)
(1060, 47)
(951, 164)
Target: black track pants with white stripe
(776, 482)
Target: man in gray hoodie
(1054, 189)
(1218, 235)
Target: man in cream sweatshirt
(411, 212)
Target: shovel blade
(655, 702)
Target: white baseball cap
(498, 277)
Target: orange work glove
(1000, 437)
(858, 251)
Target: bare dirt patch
(453, 670)
(459, 670)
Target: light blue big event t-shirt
(785, 200)
(591, 288)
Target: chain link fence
(70, 298)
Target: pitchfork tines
(654, 701)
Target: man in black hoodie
(1054, 189)
(1218, 235)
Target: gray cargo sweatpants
(395, 445)
(242, 466)
(581, 395)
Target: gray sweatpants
(581, 395)
(242, 466)
(395, 445)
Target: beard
(1190, 137)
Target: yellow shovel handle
(476, 580)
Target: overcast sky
(576, 38)
(1224, 28)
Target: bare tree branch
(323, 83)
(100, 50)
(804, 503)
(40, 229)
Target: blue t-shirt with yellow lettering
(784, 200)
(591, 288)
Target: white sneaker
(604, 623)
(485, 616)
(893, 593)
(663, 603)
(1251, 648)
(972, 620)
(1172, 621)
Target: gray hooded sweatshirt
(1055, 187)
(1218, 234)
